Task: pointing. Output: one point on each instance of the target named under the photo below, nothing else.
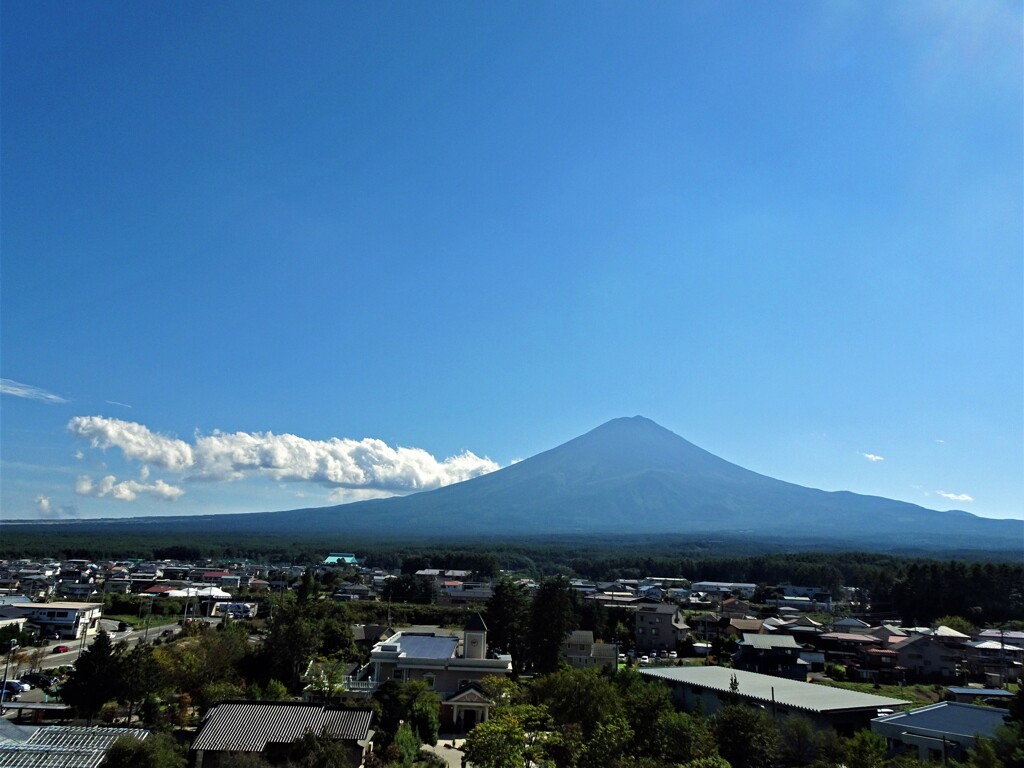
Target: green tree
(141, 677)
(96, 678)
(959, 623)
(551, 619)
(579, 696)
(607, 743)
(682, 738)
(407, 744)
(798, 743)
(422, 706)
(644, 702)
(746, 737)
(1009, 744)
(157, 751)
(714, 761)
(865, 749)
(496, 743)
(983, 755)
(275, 691)
(508, 616)
(313, 750)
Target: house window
(429, 680)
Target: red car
(61, 648)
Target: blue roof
(949, 717)
(426, 646)
(980, 692)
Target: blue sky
(275, 255)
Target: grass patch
(136, 623)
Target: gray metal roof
(64, 747)
(250, 726)
(992, 692)
(946, 717)
(767, 642)
(765, 688)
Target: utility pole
(10, 649)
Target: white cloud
(367, 465)
(9, 387)
(955, 496)
(47, 511)
(135, 441)
(873, 457)
(126, 490)
(115, 402)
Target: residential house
(269, 728)
(435, 659)
(465, 592)
(580, 650)
(776, 655)
(994, 660)
(659, 627)
(69, 621)
(939, 732)
(846, 647)
(931, 657)
(851, 625)
(735, 627)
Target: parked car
(61, 648)
(39, 680)
(645, 660)
(673, 655)
(122, 626)
(12, 690)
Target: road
(132, 638)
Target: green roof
(346, 558)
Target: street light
(7, 664)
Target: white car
(645, 660)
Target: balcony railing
(352, 685)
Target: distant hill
(628, 476)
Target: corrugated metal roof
(250, 726)
(765, 688)
(65, 747)
(767, 642)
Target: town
(241, 663)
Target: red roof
(157, 589)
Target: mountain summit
(632, 475)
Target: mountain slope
(632, 475)
(628, 476)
